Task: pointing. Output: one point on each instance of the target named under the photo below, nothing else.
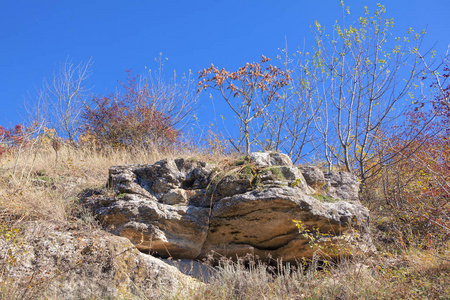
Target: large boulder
(263, 205)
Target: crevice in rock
(188, 183)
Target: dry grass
(38, 194)
(411, 276)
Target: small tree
(63, 96)
(440, 82)
(255, 86)
(366, 77)
(289, 124)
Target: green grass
(276, 171)
(324, 198)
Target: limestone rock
(229, 185)
(334, 184)
(175, 196)
(185, 209)
(342, 185)
(313, 176)
(169, 230)
(267, 159)
(73, 265)
(261, 223)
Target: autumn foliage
(254, 86)
(442, 100)
(127, 119)
(416, 181)
(10, 138)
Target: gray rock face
(342, 185)
(267, 159)
(313, 176)
(187, 209)
(334, 184)
(72, 265)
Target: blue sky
(35, 36)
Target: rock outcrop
(263, 205)
(76, 265)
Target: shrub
(11, 138)
(130, 118)
(415, 182)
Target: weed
(122, 195)
(246, 172)
(242, 160)
(324, 198)
(296, 182)
(276, 171)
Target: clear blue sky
(36, 35)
